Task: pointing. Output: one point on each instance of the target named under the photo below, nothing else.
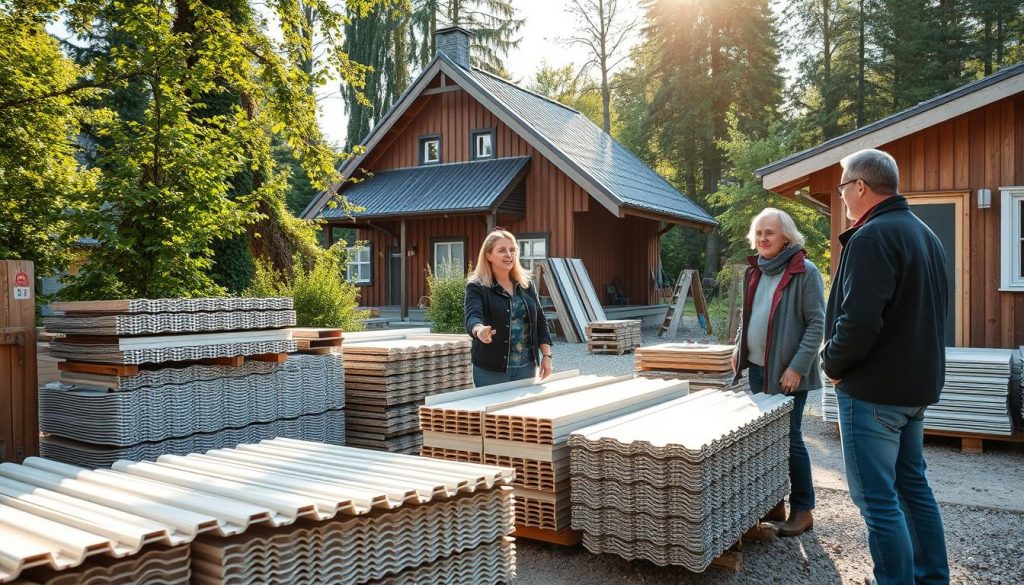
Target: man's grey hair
(786, 223)
(876, 168)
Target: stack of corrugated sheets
(614, 337)
(679, 483)
(387, 379)
(829, 402)
(527, 427)
(1017, 392)
(706, 366)
(101, 419)
(976, 395)
(282, 511)
(133, 399)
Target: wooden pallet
(565, 537)
(974, 442)
(96, 368)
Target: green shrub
(447, 310)
(323, 298)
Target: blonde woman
(779, 338)
(504, 316)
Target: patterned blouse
(521, 352)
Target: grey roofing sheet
(920, 108)
(597, 154)
(453, 187)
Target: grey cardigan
(796, 326)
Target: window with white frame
(359, 264)
(532, 250)
(483, 144)
(450, 258)
(430, 150)
(1012, 223)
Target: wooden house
(961, 160)
(463, 151)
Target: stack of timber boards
(95, 420)
(706, 366)
(573, 295)
(531, 433)
(614, 337)
(317, 340)
(975, 397)
(144, 331)
(679, 483)
(282, 511)
(163, 565)
(387, 380)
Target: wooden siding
(555, 205)
(980, 149)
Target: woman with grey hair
(778, 341)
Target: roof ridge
(524, 90)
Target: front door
(946, 215)
(394, 276)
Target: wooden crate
(19, 388)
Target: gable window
(482, 143)
(430, 150)
(532, 249)
(449, 258)
(1012, 223)
(359, 264)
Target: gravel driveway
(981, 496)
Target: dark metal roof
(477, 186)
(594, 153)
(920, 108)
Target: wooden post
(492, 221)
(404, 296)
(735, 301)
(19, 405)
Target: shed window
(450, 258)
(532, 250)
(1012, 223)
(359, 264)
(483, 144)
(430, 150)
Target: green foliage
(447, 310)
(323, 298)
(681, 248)
(568, 87)
(39, 177)
(493, 22)
(233, 267)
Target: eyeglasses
(839, 187)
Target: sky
(547, 23)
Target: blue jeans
(801, 495)
(883, 446)
(482, 377)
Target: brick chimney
(454, 43)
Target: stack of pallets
(527, 428)
(183, 375)
(387, 380)
(680, 482)
(282, 511)
(706, 366)
(614, 337)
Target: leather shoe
(776, 514)
(800, 521)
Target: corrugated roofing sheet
(454, 187)
(596, 153)
(57, 515)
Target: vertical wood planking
(19, 386)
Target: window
(450, 258)
(359, 264)
(1012, 223)
(482, 143)
(532, 249)
(430, 150)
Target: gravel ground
(981, 496)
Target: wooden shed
(464, 151)
(961, 160)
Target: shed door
(946, 216)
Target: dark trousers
(801, 495)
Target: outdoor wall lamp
(412, 250)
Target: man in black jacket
(885, 352)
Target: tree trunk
(861, 82)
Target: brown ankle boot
(800, 521)
(776, 514)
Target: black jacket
(489, 306)
(886, 319)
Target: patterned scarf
(778, 263)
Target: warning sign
(22, 290)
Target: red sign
(21, 279)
